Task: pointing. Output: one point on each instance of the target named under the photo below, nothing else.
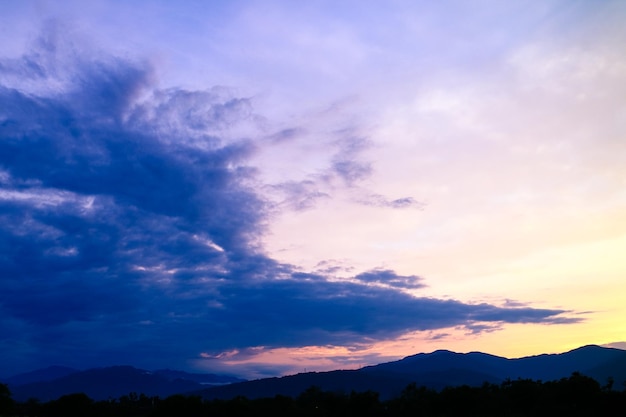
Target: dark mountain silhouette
(541, 367)
(615, 369)
(41, 375)
(586, 360)
(434, 370)
(293, 385)
(112, 382)
(437, 370)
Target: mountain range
(434, 370)
(437, 370)
(110, 382)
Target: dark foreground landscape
(441, 383)
(577, 395)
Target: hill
(434, 370)
(109, 382)
(437, 370)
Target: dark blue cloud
(129, 230)
(390, 278)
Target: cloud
(378, 200)
(390, 278)
(299, 195)
(616, 345)
(346, 164)
(513, 303)
(130, 227)
(264, 362)
(286, 135)
(438, 336)
(346, 312)
(472, 329)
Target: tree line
(577, 395)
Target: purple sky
(259, 187)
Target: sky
(260, 188)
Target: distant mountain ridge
(110, 382)
(435, 370)
(40, 375)
(586, 359)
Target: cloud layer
(130, 222)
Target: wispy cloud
(616, 345)
(378, 200)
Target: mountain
(41, 375)
(437, 370)
(293, 385)
(615, 368)
(109, 382)
(541, 367)
(587, 360)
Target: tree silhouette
(6, 402)
(364, 404)
(71, 405)
(576, 395)
(180, 405)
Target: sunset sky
(263, 187)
